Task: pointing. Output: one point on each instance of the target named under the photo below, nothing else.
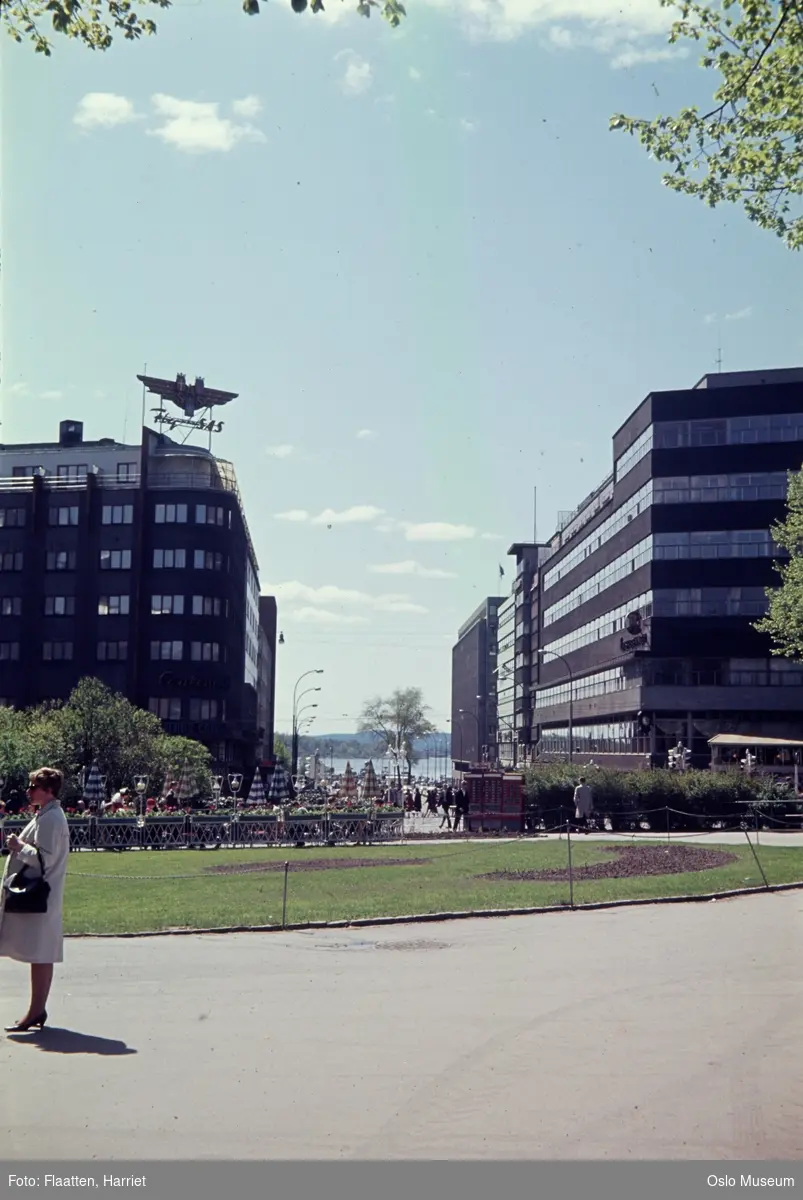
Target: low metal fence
(197, 830)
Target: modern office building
(652, 587)
(134, 564)
(507, 736)
(473, 697)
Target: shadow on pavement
(69, 1041)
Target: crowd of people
(452, 802)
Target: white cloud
(332, 598)
(103, 110)
(415, 74)
(53, 395)
(357, 514)
(410, 567)
(322, 616)
(279, 451)
(468, 126)
(359, 74)
(492, 537)
(741, 315)
(293, 514)
(18, 389)
(633, 56)
(438, 531)
(249, 107)
(366, 435)
(196, 128)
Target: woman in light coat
(36, 938)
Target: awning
(747, 739)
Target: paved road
(667, 1032)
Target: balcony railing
(25, 483)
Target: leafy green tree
(398, 720)
(96, 23)
(748, 147)
(281, 751)
(784, 619)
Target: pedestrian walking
(432, 802)
(42, 849)
(583, 804)
(445, 800)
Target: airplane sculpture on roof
(190, 397)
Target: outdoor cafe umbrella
(349, 785)
(279, 791)
(256, 792)
(94, 791)
(371, 787)
(186, 784)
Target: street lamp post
(571, 699)
(294, 748)
(298, 731)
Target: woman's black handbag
(26, 893)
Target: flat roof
(748, 739)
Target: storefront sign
(162, 418)
(638, 629)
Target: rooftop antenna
(719, 349)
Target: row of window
(202, 560)
(710, 602)
(202, 606)
(616, 679)
(610, 622)
(64, 606)
(173, 651)
(120, 560)
(173, 708)
(675, 489)
(205, 514)
(633, 558)
(711, 431)
(608, 737)
(12, 518)
(126, 472)
(724, 543)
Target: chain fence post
(571, 873)
(284, 896)
(667, 825)
(758, 860)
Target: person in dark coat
(445, 800)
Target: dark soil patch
(629, 863)
(313, 864)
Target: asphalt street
(658, 1032)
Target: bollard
(571, 875)
(284, 897)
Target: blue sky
(432, 275)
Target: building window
(170, 514)
(61, 560)
(10, 517)
(167, 651)
(112, 651)
(11, 606)
(57, 651)
(115, 560)
(203, 710)
(729, 431)
(710, 602)
(164, 606)
(59, 606)
(126, 472)
(64, 514)
(633, 454)
(701, 489)
(603, 626)
(726, 543)
(167, 708)
(209, 606)
(113, 606)
(208, 560)
(118, 514)
(169, 559)
(205, 652)
(635, 557)
(11, 560)
(618, 519)
(26, 472)
(9, 651)
(71, 470)
(209, 514)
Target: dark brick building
(134, 564)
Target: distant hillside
(346, 745)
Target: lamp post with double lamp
(294, 747)
(305, 708)
(570, 673)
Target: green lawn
(151, 890)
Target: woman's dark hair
(47, 778)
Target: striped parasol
(94, 791)
(256, 793)
(185, 788)
(349, 784)
(371, 787)
(280, 790)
